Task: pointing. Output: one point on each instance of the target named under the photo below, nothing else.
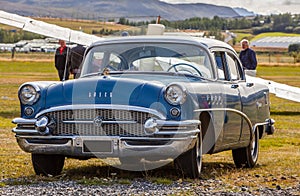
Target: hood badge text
(100, 95)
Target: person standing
(248, 57)
(62, 61)
(76, 58)
(13, 50)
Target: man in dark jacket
(62, 61)
(247, 56)
(76, 58)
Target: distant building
(35, 45)
(275, 42)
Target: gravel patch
(142, 187)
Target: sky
(265, 7)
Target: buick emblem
(98, 121)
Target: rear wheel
(47, 164)
(190, 162)
(248, 156)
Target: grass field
(278, 163)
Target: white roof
(276, 41)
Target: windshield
(150, 57)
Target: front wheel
(190, 162)
(248, 156)
(47, 164)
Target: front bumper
(118, 147)
(171, 139)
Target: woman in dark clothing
(62, 61)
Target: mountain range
(111, 9)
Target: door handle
(250, 84)
(234, 86)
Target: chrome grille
(112, 129)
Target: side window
(219, 57)
(232, 62)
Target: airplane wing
(50, 30)
(280, 90)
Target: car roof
(205, 42)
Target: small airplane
(28, 24)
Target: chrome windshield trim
(103, 122)
(103, 106)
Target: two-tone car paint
(224, 112)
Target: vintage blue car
(145, 99)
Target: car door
(247, 95)
(229, 77)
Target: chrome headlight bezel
(29, 94)
(175, 94)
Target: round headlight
(29, 94)
(175, 94)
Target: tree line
(13, 36)
(287, 23)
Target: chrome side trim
(25, 131)
(230, 110)
(162, 123)
(24, 121)
(268, 122)
(251, 128)
(191, 132)
(260, 124)
(102, 106)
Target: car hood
(105, 90)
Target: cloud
(259, 7)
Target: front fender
(40, 104)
